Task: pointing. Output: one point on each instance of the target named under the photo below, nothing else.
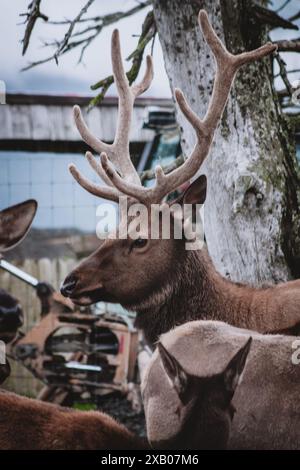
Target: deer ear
(196, 192)
(233, 372)
(4, 372)
(176, 374)
(15, 222)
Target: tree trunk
(252, 218)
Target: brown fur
(204, 411)
(266, 400)
(167, 286)
(27, 424)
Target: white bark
(246, 177)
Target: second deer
(158, 278)
(199, 392)
(28, 424)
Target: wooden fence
(44, 269)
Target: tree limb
(295, 17)
(285, 3)
(271, 18)
(288, 71)
(148, 33)
(70, 30)
(150, 174)
(33, 15)
(289, 45)
(283, 73)
(98, 23)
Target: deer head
(201, 416)
(129, 270)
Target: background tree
(252, 214)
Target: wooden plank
(55, 123)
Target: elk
(158, 278)
(198, 393)
(27, 424)
(15, 222)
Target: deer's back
(30, 424)
(267, 400)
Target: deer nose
(68, 286)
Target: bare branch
(32, 15)
(287, 71)
(148, 175)
(294, 120)
(98, 23)
(295, 17)
(289, 45)
(285, 3)
(71, 28)
(148, 33)
(283, 73)
(271, 18)
(111, 17)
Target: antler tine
(191, 116)
(217, 47)
(123, 185)
(97, 168)
(127, 95)
(227, 65)
(86, 134)
(126, 99)
(101, 191)
(118, 151)
(129, 183)
(144, 84)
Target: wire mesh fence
(63, 227)
(45, 177)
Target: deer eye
(139, 243)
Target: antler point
(178, 94)
(72, 168)
(115, 37)
(104, 158)
(76, 110)
(203, 16)
(89, 156)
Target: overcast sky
(69, 77)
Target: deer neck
(195, 290)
